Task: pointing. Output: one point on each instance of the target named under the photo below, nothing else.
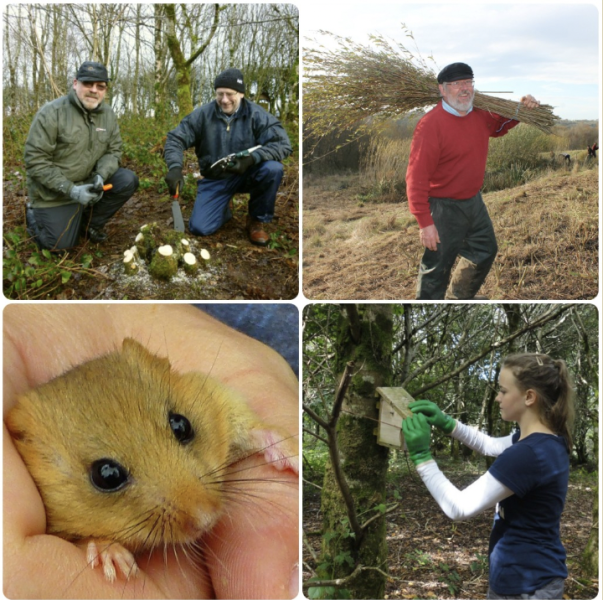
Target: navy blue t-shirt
(525, 550)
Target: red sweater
(448, 157)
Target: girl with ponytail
(528, 481)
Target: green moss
(163, 267)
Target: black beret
(92, 71)
(454, 72)
(231, 79)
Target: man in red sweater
(445, 174)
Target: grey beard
(465, 107)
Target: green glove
(434, 415)
(417, 435)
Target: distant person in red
(445, 174)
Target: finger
(254, 549)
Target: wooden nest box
(393, 409)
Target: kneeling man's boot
(256, 233)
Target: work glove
(97, 186)
(84, 194)
(434, 415)
(240, 165)
(217, 171)
(174, 180)
(97, 183)
(417, 435)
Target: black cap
(92, 71)
(454, 72)
(231, 79)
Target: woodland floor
(239, 269)
(433, 557)
(360, 248)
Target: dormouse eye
(108, 475)
(182, 428)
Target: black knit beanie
(231, 79)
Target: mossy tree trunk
(590, 556)
(365, 337)
(182, 65)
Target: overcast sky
(550, 50)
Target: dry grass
(547, 232)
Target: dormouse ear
(135, 353)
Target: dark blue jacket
(214, 137)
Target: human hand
(529, 101)
(417, 435)
(430, 237)
(175, 181)
(252, 553)
(84, 194)
(97, 183)
(434, 415)
(240, 165)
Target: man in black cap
(443, 181)
(72, 151)
(230, 124)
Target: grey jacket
(214, 136)
(66, 145)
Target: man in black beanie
(230, 124)
(445, 173)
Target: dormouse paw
(113, 557)
(279, 452)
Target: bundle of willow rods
(344, 87)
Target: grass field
(356, 248)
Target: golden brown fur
(117, 407)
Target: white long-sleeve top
(484, 493)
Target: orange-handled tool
(107, 187)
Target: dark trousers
(552, 591)
(59, 227)
(465, 229)
(211, 208)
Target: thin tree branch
(548, 316)
(344, 581)
(318, 437)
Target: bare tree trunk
(136, 62)
(159, 92)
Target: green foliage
(315, 459)
(324, 592)
(279, 240)
(14, 132)
(419, 558)
(517, 157)
(32, 274)
(479, 566)
(326, 569)
(451, 578)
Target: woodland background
(371, 529)
(162, 60)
